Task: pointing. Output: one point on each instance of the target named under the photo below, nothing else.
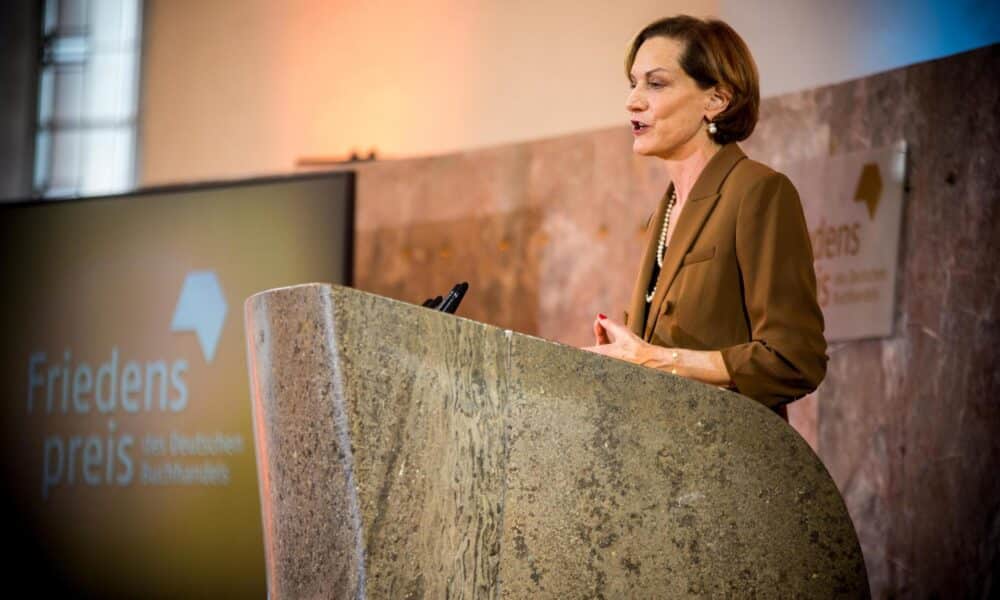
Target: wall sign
(854, 206)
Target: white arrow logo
(201, 308)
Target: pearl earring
(712, 128)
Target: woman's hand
(617, 341)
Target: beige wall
(242, 88)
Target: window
(88, 97)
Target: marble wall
(906, 425)
(548, 234)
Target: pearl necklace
(661, 248)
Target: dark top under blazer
(738, 277)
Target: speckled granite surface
(405, 453)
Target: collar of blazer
(700, 203)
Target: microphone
(451, 302)
(432, 302)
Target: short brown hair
(714, 54)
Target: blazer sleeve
(786, 357)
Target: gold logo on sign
(869, 188)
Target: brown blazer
(738, 277)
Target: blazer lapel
(637, 306)
(701, 201)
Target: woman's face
(666, 107)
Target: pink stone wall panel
(549, 233)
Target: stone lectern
(408, 453)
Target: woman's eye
(656, 84)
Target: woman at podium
(726, 291)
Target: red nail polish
(601, 316)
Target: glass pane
(106, 24)
(43, 155)
(68, 89)
(131, 23)
(107, 155)
(65, 170)
(51, 16)
(72, 16)
(110, 94)
(46, 95)
(69, 49)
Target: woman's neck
(684, 170)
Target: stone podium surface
(408, 453)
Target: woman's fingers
(614, 330)
(600, 335)
(613, 339)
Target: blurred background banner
(126, 402)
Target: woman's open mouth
(639, 128)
